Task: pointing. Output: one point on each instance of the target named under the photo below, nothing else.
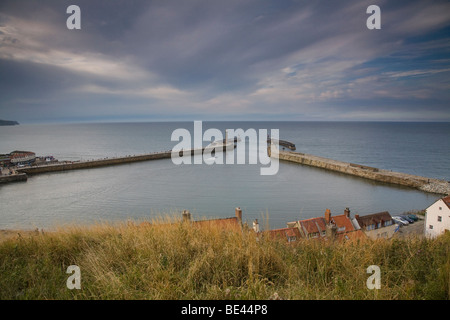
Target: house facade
(437, 220)
(376, 225)
(22, 157)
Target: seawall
(66, 166)
(13, 178)
(421, 183)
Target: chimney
(186, 216)
(238, 213)
(347, 212)
(327, 216)
(256, 226)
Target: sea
(144, 191)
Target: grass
(176, 260)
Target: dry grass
(168, 259)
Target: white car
(400, 220)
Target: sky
(185, 60)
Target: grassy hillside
(180, 261)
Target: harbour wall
(421, 183)
(418, 182)
(13, 178)
(76, 165)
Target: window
(439, 219)
(440, 208)
(430, 226)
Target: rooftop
(313, 225)
(343, 223)
(447, 201)
(374, 218)
(289, 234)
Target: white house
(437, 220)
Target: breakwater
(65, 166)
(13, 178)
(76, 165)
(421, 183)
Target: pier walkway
(386, 176)
(75, 165)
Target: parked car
(407, 218)
(413, 216)
(400, 221)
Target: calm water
(150, 189)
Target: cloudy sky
(224, 60)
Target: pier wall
(13, 178)
(93, 163)
(422, 183)
(65, 166)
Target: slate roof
(374, 218)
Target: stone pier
(421, 183)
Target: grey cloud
(224, 57)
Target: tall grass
(168, 259)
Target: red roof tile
(351, 236)
(313, 225)
(343, 222)
(225, 223)
(284, 233)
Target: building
(22, 158)
(376, 225)
(437, 220)
(223, 223)
(5, 160)
(329, 227)
(288, 234)
(313, 228)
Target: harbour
(102, 173)
(384, 176)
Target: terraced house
(338, 227)
(376, 225)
